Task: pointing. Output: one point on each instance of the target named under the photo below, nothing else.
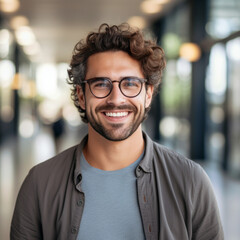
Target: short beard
(109, 133)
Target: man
(118, 183)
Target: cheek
(93, 103)
(139, 103)
(86, 100)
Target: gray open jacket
(175, 196)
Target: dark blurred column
(198, 20)
(1, 134)
(15, 92)
(226, 127)
(155, 113)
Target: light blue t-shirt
(111, 210)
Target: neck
(113, 155)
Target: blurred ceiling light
(217, 140)
(48, 111)
(190, 52)
(219, 27)
(62, 72)
(18, 21)
(233, 49)
(25, 36)
(150, 7)
(137, 21)
(32, 49)
(168, 126)
(46, 80)
(5, 40)
(27, 128)
(9, 6)
(216, 81)
(4, 36)
(160, 1)
(7, 70)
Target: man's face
(115, 117)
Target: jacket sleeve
(26, 221)
(205, 218)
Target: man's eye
(130, 83)
(101, 84)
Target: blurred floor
(17, 157)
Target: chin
(116, 135)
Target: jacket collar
(77, 170)
(145, 164)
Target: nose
(116, 97)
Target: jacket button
(73, 230)
(79, 203)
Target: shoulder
(168, 162)
(179, 168)
(61, 161)
(57, 163)
(183, 175)
(52, 172)
(170, 158)
(184, 182)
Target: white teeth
(116, 114)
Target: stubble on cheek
(115, 131)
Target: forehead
(111, 64)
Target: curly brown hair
(115, 38)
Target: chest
(111, 207)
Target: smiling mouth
(116, 114)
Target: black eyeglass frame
(89, 81)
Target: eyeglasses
(101, 87)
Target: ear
(149, 93)
(81, 97)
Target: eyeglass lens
(102, 87)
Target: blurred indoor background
(197, 112)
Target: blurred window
(224, 18)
